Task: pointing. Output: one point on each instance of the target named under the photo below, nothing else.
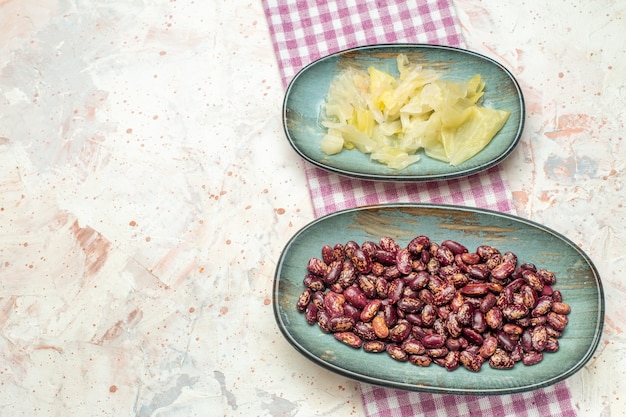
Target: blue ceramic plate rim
(468, 168)
(281, 318)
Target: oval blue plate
(577, 278)
(307, 91)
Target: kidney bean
(414, 318)
(512, 329)
(478, 271)
(328, 254)
(538, 321)
(453, 326)
(472, 336)
(369, 248)
(350, 247)
(443, 312)
(514, 311)
(526, 340)
(494, 318)
(410, 305)
(546, 276)
(459, 279)
(389, 244)
(404, 261)
(413, 347)
(355, 296)
(367, 284)
(474, 289)
(397, 353)
(317, 267)
(333, 303)
(437, 352)
(370, 310)
(444, 295)
(384, 257)
(489, 347)
(552, 345)
(340, 324)
(314, 282)
(418, 244)
(400, 331)
(457, 343)
(351, 311)
(505, 341)
(495, 287)
(485, 251)
(547, 291)
(471, 361)
(380, 327)
(348, 274)
(333, 272)
(488, 302)
(557, 321)
(362, 261)
(543, 306)
(479, 321)
(561, 308)
(339, 252)
(311, 313)
(304, 299)
(501, 360)
(390, 314)
(418, 332)
(532, 358)
(395, 290)
(528, 265)
(451, 361)
(318, 299)
(426, 296)
(470, 258)
(517, 354)
(460, 265)
(456, 247)
(529, 297)
(503, 270)
(421, 360)
(374, 346)
(444, 255)
(553, 333)
(493, 261)
(364, 330)
(382, 287)
(433, 266)
(533, 280)
(322, 321)
(428, 314)
(539, 338)
(433, 341)
(457, 301)
(349, 338)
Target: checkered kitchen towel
(305, 30)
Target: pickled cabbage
(392, 118)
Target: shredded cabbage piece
(392, 118)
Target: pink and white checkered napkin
(305, 30)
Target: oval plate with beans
(306, 94)
(439, 298)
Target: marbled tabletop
(147, 190)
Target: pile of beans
(430, 302)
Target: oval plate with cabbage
(404, 112)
